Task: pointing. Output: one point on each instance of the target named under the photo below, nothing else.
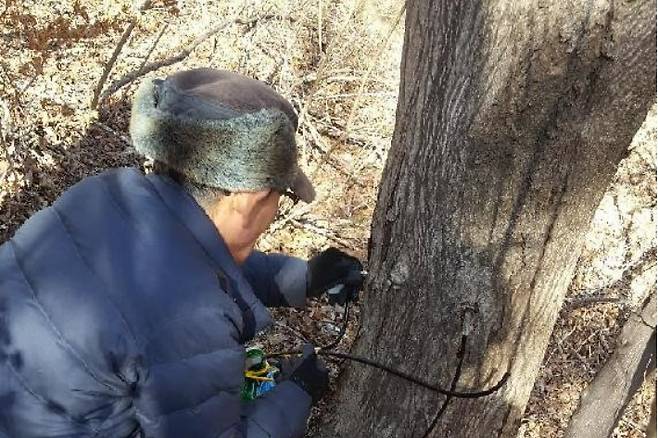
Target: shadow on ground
(103, 146)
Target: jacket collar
(181, 204)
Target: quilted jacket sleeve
(281, 412)
(60, 376)
(277, 279)
(198, 395)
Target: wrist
(312, 291)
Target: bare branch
(320, 25)
(153, 46)
(589, 301)
(376, 59)
(139, 6)
(602, 404)
(7, 139)
(108, 67)
(184, 53)
(251, 22)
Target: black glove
(310, 374)
(329, 270)
(286, 366)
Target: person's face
(265, 211)
(242, 217)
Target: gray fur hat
(220, 129)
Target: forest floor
(338, 62)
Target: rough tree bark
(602, 404)
(512, 118)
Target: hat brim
(302, 187)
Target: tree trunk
(603, 402)
(512, 118)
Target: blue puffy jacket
(122, 314)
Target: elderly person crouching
(124, 305)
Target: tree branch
(153, 46)
(111, 62)
(593, 296)
(603, 402)
(115, 55)
(184, 53)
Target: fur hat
(220, 129)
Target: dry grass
(337, 61)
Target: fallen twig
(589, 301)
(335, 132)
(349, 95)
(252, 21)
(297, 334)
(315, 136)
(124, 138)
(329, 234)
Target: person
(125, 305)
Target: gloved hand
(311, 374)
(330, 269)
